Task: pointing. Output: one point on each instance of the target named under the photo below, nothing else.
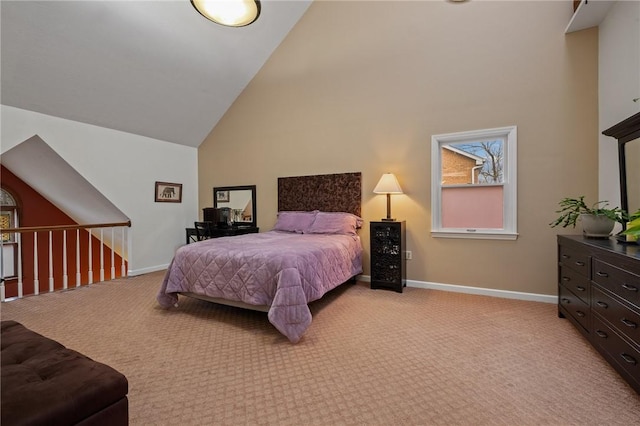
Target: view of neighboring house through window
(473, 192)
(8, 219)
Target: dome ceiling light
(231, 13)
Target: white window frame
(9, 253)
(510, 212)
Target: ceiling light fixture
(231, 13)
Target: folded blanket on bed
(282, 270)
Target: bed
(313, 248)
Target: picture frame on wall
(167, 192)
(222, 196)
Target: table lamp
(388, 184)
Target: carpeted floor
(370, 357)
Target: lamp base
(388, 219)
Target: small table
(387, 250)
(222, 232)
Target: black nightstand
(222, 232)
(388, 264)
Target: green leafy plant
(572, 208)
(633, 226)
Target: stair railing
(116, 242)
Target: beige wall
(362, 86)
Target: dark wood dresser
(599, 292)
(222, 232)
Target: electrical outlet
(408, 255)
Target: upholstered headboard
(340, 192)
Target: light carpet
(370, 357)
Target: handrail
(47, 252)
(64, 227)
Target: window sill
(482, 235)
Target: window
(8, 219)
(473, 184)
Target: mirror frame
(625, 131)
(251, 188)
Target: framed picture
(222, 196)
(168, 192)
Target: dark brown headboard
(340, 192)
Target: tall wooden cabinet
(388, 264)
(599, 292)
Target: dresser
(599, 292)
(222, 232)
(388, 264)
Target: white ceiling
(152, 68)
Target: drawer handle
(629, 323)
(602, 274)
(580, 288)
(629, 287)
(580, 314)
(602, 334)
(566, 256)
(566, 279)
(579, 263)
(602, 304)
(628, 358)
(565, 300)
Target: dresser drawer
(618, 351)
(576, 282)
(578, 309)
(617, 281)
(625, 320)
(611, 319)
(577, 260)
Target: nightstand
(387, 247)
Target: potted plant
(632, 231)
(597, 220)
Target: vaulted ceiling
(152, 68)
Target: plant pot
(596, 226)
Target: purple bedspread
(282, 270)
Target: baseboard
(134, 272)
(505, 294)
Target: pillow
(335, 223)
(294, 221)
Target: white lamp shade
(232, 13)
(388, 184)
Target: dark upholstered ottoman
(44, 383)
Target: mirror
(628, 134)
(242, 202)
(632, 166)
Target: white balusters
(101, 254)
(78, 273)
(123, 271)
(59, 269)
(19, 241)
(50, 262)
(65, 277)
(90, 277)
(113, 250)
(36, 281)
